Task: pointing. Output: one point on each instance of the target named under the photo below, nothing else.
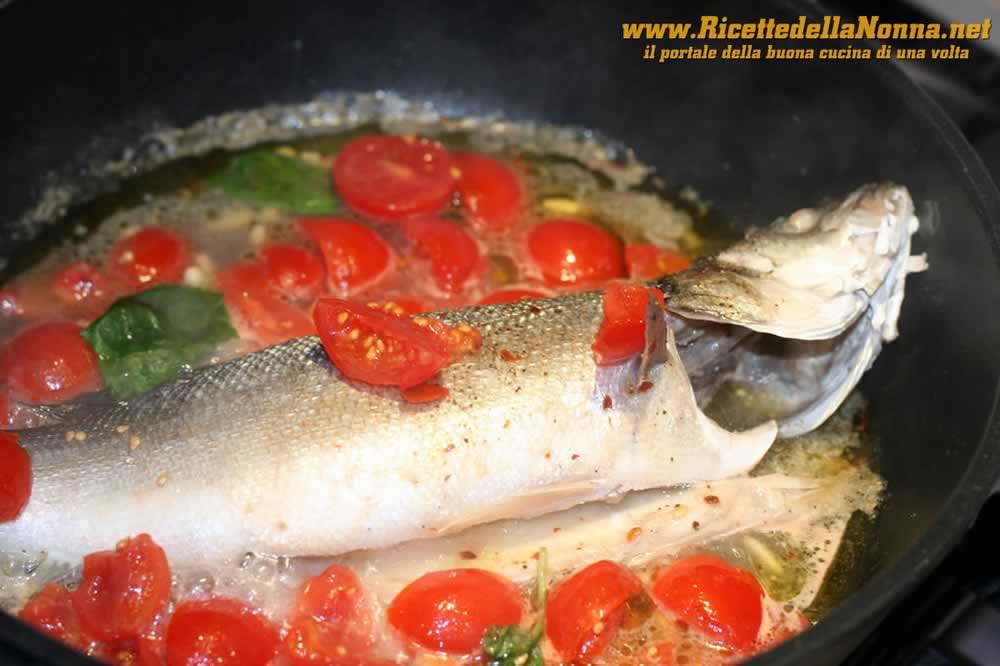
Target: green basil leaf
(145, 339)
(267, 178)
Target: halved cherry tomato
(356, 257)
(647, 261)
(49, 363)
(453, 254)
(511, 296)
(292, 271)
(569, 251)
(450, 611)
(51, 611)
(81, 281)
(4, 408)
(623, 331)
(30, 299)
(122, 590)
(394, 178)
(221, 632)
(150, 256)
(336, 600)
(15, 477)
(584, 611)
(248, 294)
(371, 345)
(491, 193)
(721, 600)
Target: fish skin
(274, 452)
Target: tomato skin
(646, 261)
(356, 257)
(150, 256)
(453, 254)
(569, 251)
(511, 296)
(622, 333)
(450, 611)
(584, 611)
(394, 178)
(15, 477)
(292, 271)
(51, 611)
(492, 194)
(49, 363)
(221, 632)
(412, 353)
(122, 590)
(721, 600)
(257, 309)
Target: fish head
(812, 274)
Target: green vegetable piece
(145, 339)
(541, 590)
(514, 646)
(267, 178)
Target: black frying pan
(758, 139)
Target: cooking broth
(564, 174)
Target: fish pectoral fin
(530, 504)
(654, 351)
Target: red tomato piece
(491, 193)
(511, 296)
(646, 261)
(4, 409)
(569, 251)
(356, 257)
(336, 599)
(393, 177)
(15, 477)
(81, 281)
(122, 590)
(423, 393)
(370, 345)
(49, 363)
(623, 331)
(151, 256)
(292, 271)
(723, 601)
(450, 611)
(221, 632)
(51, 612)
(268, 318)
(584, 611)
(453, 254)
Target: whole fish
(275, 452)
